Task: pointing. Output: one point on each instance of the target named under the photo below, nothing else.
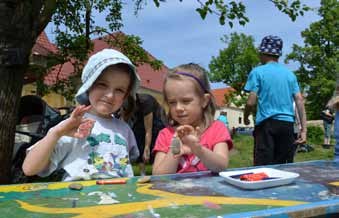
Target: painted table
(201, 194)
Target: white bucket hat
(98, 63)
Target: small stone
(175, 145)
(75, 186)
(144, 179)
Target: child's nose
(110, 94)
(179, 106)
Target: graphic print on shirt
(108, 158)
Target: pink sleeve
(217, 133)
(163, 140)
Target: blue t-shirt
(275, 86)
(223, 119)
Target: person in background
(327, 116)
(296, 131)
(335, 105)
(193, 141)
(275, 88)
(91, 143)
(223, 118)
(146, 123)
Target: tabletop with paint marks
(203, 194)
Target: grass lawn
(242, 155)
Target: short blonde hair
(198, 75)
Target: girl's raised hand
(76, 126)
(184, 150)
(188, 134)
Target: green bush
(315, 134)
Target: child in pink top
(204, 143)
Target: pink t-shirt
(214, 134)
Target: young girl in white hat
(91, 143)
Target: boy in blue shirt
(276, 88)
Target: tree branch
(45, 14)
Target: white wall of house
(235, 117)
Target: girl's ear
(206, 100)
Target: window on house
(239, 120)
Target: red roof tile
(43, 46)
(59, 72)
(150, 78)
(219, 95)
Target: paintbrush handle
(111, 182)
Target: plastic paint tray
(276, 178)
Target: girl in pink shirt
(204, 143)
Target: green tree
(75, 27)
(319, 58)
(21, 22)
(233, 65)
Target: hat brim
(82, 96)
(269, 53)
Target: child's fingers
(87, 123)
(77, 111)
(79, 135)
(85, 108)
(197, 131)
(184, 130)
(85, 128)
(80, 110)
(184, 150)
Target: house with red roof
(235, 115)
(151, 80)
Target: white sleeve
(61, 149)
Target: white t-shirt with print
(105, 153)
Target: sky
(175, 34)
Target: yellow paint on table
(51, 186)
(167, 200)
(334, 183)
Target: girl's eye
(171, 103)
(122, 91)
(101, 84)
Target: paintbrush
(175, 145)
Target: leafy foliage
(234, 63)
(315, 134)
(319, 58)
(231, 11)
(76, 27)
(293, 10)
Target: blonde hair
(198, 76)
